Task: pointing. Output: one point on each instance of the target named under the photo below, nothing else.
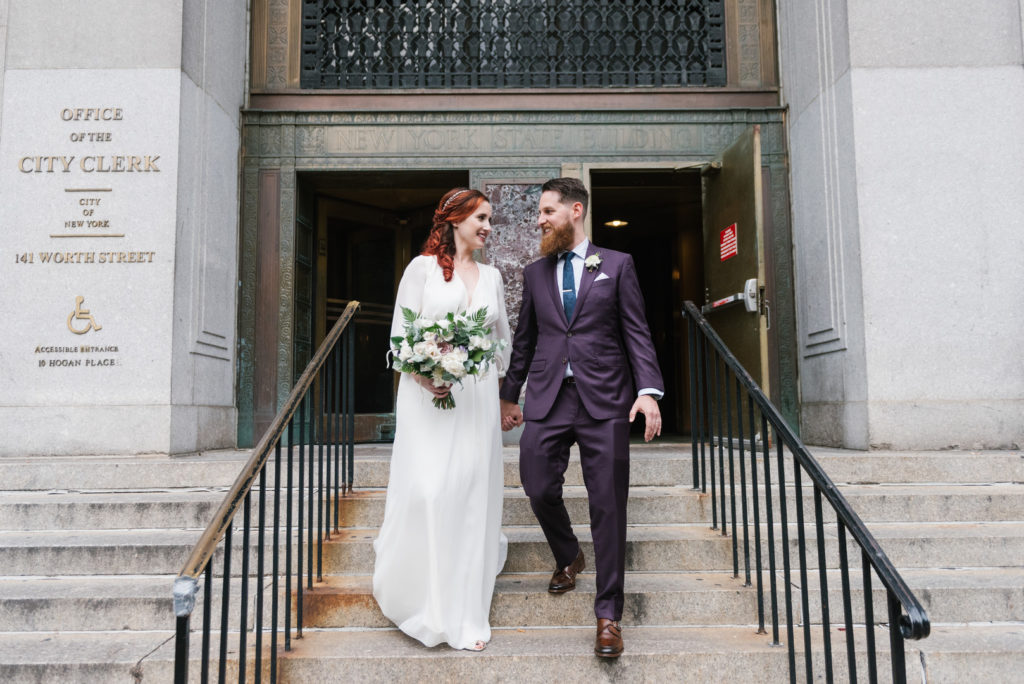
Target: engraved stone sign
(88, 183)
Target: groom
(583, 340)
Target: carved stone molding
(822, 297)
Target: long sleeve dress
(440, 546)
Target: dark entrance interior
(660, 215)
(356, 231)
(369, 225)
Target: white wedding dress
(440, 546)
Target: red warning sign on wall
(727, 242)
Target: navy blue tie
(568, 286)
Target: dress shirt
(579, 254)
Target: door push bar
(748, 297)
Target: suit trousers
(604, 457)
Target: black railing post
(288, 541)
(301, 490)
(336, 429)
(716, 436)
(260, 546)
(224, 606)
(743, 485)
(181, 650)
(351, 385)
(320, 494)
(204, 670)
(826, 627)
(311, 454)
(275, 562)
(706, 409)
(769, 513)
(869, 618)
(787, 576)
(899, 660)
(243, 621)
(691, 331)
(732, 478)
(801, 551)
(758, 563)
(844, 571)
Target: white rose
(405, 352)
(432, 352)
(453, 365)
(421, 323)
(478, 342)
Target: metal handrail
(335, 393)
(713, 398)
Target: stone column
(905, 140)
(119, 147)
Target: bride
(440, 546)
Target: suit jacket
(607, 341)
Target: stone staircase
(89, 548)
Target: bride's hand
(428, 384)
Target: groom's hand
(646, 405)
(511, 415)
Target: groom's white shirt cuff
(658, 394)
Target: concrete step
(654, 548)
(666, 505)
(649, 548)
(695, 654)
(111, 657)
(522, 600)
(692, 598)
(153, 471)
(102, 510)
(194, 507)
(895, 502)
(949, 595)
(647, 505)
(951, 655)
(660, 463)
(111, 603)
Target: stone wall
(905, 147)
(119, 147)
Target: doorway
(655, 215)
(369, 226)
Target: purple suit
(608, 345)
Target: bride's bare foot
(478, 646)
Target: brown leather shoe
(609, 639)
(564, 579)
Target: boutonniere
(592, 262)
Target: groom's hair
(571, 190)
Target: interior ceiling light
(617, 223)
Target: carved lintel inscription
(512, 140)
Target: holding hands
(511, 415)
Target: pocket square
(601, 276)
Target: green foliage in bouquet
(444, 350)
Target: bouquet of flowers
(445, 350)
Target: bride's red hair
(456, 205)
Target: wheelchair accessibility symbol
(80, 314)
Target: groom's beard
(559, 239)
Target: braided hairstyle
(455, 206)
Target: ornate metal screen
(450, 44)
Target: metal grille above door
(453, 44)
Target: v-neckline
(469, 295)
